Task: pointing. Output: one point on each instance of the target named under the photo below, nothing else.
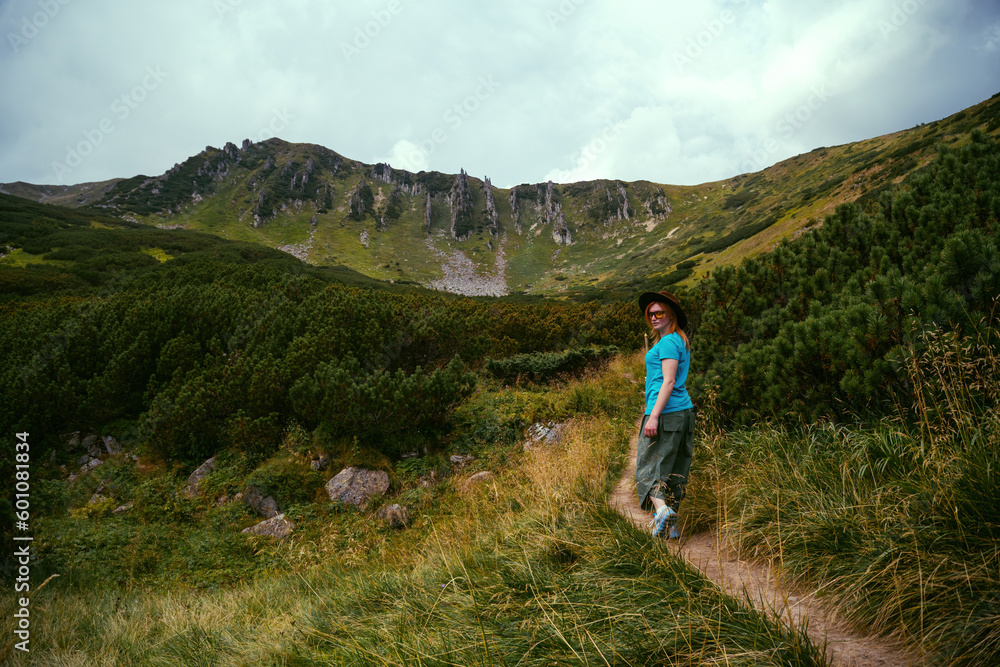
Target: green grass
(529, 568)
(895, 523)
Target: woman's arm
(669, 376)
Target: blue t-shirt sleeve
(670, 347)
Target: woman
(666, 437)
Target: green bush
(546, 366)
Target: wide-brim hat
(665, 298)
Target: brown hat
(666, 298)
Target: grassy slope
(528, 568)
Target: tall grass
(899, 524)
(528, 568)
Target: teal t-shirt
(668, 347)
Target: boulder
(483, 476)
(72, 440)
(540, 434)
(193, 487)
(91, 465)
(266, 506)
(321, 463)
(397, 516)
(91, 445)
(111, 444)
(357, 485)
(121, 509)
(277, 526)
(460, 460)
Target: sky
(521, 91)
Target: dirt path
(742, 578)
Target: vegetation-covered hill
(882, 316)
(461, 233)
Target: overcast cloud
(673, 92)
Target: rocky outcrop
(277, 526)
(357, 486)
(231, 151)
(195, 480)
(460, 200)
(301, 177)
(382, 173)
(262, 210)
(515, 211)
(361, 200)
(492, 217)
(554, 216)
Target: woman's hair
(673, 323)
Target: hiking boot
(661, 519)
(674, 534)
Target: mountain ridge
(460, 233)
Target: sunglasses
(657, 315)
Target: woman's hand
(651, 423)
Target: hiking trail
(745, 579)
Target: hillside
(461, 234)
(160, 382)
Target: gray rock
(266, 506)
(397, 516)
(72, 440)
(112, 445)
(83, 460)
(277, 526)
(540, 434)
(481, 476)
(461, 459)
(121, 509)
(357, 485)
(96, 498)
(91, 465)
(92, 447)
(321, 463)
(194, 482)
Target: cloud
(698, 90)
